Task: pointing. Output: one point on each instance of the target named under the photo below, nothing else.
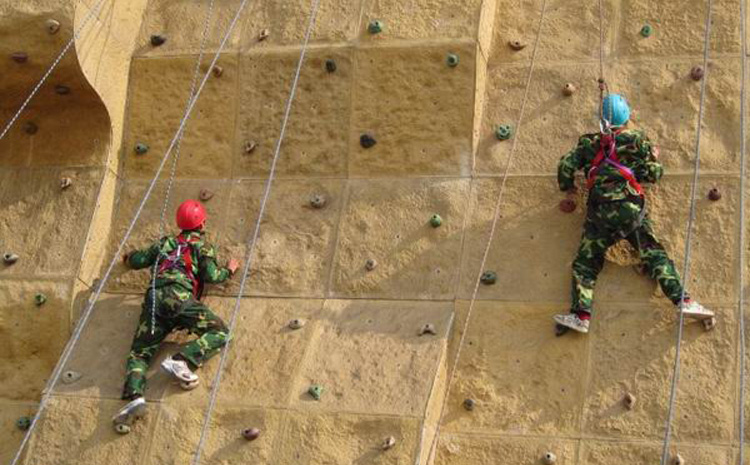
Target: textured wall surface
(436, 153)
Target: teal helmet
(615, 109)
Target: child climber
(182, 264)
(616, 162)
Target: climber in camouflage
(182, 264)
(616, 164)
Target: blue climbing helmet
(615, 109)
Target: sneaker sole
(124, 417)
(178, 377)
(574, 328)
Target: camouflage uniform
(176, 309)
(616, 211)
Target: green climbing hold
(315, 391)
(40, 299)
(23, 423)
(436, 221)
(452, 60)
(647, 30)
(488, 277)
(375, 27)
(503, 132)
(141, 148)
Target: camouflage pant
(606, 224)
(175, 310)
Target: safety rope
(741, 245)
(68, 350)
(92, 12)
(173, 171)
(251, 243)
(688, 239)
(493, 228)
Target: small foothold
(20, 57)
(516, 45)
(62, 90)
(65, 183)
(263, 35)
(647, 30)
(205, 194)
(40, 299)
(296, 323)
(189, 385)
(23, 423)
(31, 128)
(436, 221)
(217, 71)
(251, 434)
(10, 258)
(709, 323)
(52, 26)
(375, 27)
(629, 401)
(569, 89)
(370, 264)
(561, 330)
(503, 132)
(70, 377)
(697, 73)
(367, 141)
(158, 40)
(714, 194)
(429, 328)
(678, 460)
(315, 391)
(488, 278)
(469, 404)
(122, 428)
(141, 148)
(331, 65)
(389, 442)
(250, 146)
(549, 458)
(318, 201)
(567, 205)
(452, 60)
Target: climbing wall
(374, 232)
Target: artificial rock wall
(436, 153)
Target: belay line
(741, 245)
(68, 350)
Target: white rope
(251, 243)
(495, 219)
(47, 393)
(688, 240)
(92, 12)
(193, 85)
(741, 245)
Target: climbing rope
(688, 239)
(251, 243)
(68, 350)
(193, 84)
(92, 12)
(741, 245)
(495, 219)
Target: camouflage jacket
(634, 150)
(203, 256)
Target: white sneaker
(571, 320)
(179, 369)
(134, 408)
(692, 309)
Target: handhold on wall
(10, 258)
(367, 140)
(371, 264)
(516, 44)
(141, 148)
(488, 277)
(714, 194)
(549, 458)
(428, 328)
(30, 128)
(62, 90)
(296, 323)
(315, 391)
(318, 201)
(205, 194)
(647, 30)
(23, 423)
(697, 73)
(452, 60)
(122, 428)
(20, 57)
(158, 40)
(70, 377)
(569, 89)
(251, 434)
(65, 183)
(678, 460)
(52, 26)
(250, 146)
(217, 71)
(388, 443)
(436, 221)
(503, 132)
(629, 401)
(331, 65)
(375, 27)
(469, 404)
(40, 299)
(263, 35)
(567, 205)
(709, 323)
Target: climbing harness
(68, 350)
(607, 144)
(181, 258)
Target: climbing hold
(569, 89)
(205, 194)
(30, 128)
(70, 377)
(714, 194)
(388, 443)
(331, 65)
(629, 401)
(52, 26)
(567, 205)
(264, 33)
(62, 90)
(296, 323)
(65, 183)
(122, 428)
(217, 71)
(189, 386)
(488, 278)
(375, 27)
(367, 140)
(709, 323)
(20, 57)
(141, 148)
(452, 60)
(503, 132)
(678, 460)
(429, 328)
(40, 299)
(647, 30)
(549, 458)
(251, 434)
(318, 201)
(158, 40)
(370, 264)
(436, 221)
(23, 423)
(697, 73)
(469, 404)
(10, 258)
(315, 391)
(250, 146)
(516, 45)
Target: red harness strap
(184, 252)
(607, 142)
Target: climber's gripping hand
(233, 265)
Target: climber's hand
(126, 259)
(233, 265)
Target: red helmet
(190, 215)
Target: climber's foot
(571, 320)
